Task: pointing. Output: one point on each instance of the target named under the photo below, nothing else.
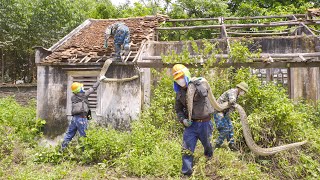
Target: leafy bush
(18, 126)
(20, 120)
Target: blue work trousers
(78, 123)
(201, 131)
(121, 37)
(225, 128)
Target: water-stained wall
(120, 102)
(304, 82)
(51, 99)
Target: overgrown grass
(151, 149)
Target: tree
(203, 8)
(103, 10)
(274, 4)
(137, 10)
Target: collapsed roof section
(86, 41)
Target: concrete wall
(22, 93)
(51, 99)
(117, 103)
(304, 82)
(120, 103)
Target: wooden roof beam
(234, 26)
(258, 34)
(307, 30)
(235, 18)
(293, 17)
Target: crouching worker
(222, 119)
(191, 106)
(79, 111)
(121, 35)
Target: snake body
(253, 146)
(105, 69)
(244, 122)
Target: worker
(121, 35)
(222, 119)
(199, 126)
(79, 111)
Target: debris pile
(88, 42)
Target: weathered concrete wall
(284, 44)
(158, 48)
(117, 103)
(120, 103)
(51, 99)
(22, 93)
(304, 82)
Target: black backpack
(80, 106)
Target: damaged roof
(86, 41)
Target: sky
(118, 2)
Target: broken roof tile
(89, 40)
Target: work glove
(105, 45)
(102, 78)
(186, 122)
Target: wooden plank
(234, 18)
(271, 24)
(128, 56)
(302, 58)
(258, 34)
(140, 50)
(192, 19)
(307, 30)
(83, 59)
(293, 17)
(262, 17)
(87, 60)
(98, 60)
(188, 27)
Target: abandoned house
(289, 57)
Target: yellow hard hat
(179, 71)
(76, 87)
(243, 86)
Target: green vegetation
(152, 148)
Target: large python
(105, 69)
(244, 122)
